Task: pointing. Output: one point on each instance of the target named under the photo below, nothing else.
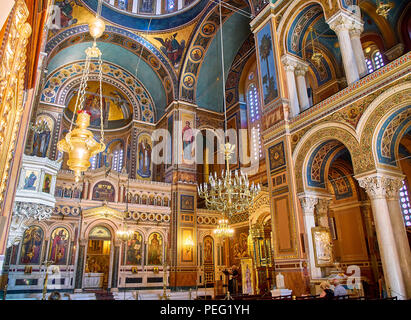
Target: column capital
(380, 186)
(289, 62)
(308, 203)
(356, 29)
(343, 21)
(301, 69)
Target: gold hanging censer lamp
(79, 142)
(317, 55)
(383, 8)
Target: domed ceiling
(136, 14)
(154, 51)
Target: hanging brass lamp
(317, 55)
(79, 142)
(383, 8)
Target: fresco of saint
(144, 158)
(31, 246)
(59, 246)
(188, 139)
(154, 249)
(134, 250)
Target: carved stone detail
(308, 204)
(24, 214)
(380, 186)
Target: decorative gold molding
(12, 75)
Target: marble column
(116, 262)
(289, 64)
(355, 34)
(376, 187)
(78, 283)
(370, 230)
(307, 204)
(397, 222)
(300, 72)
(341, 24)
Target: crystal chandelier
(79, 142)
(317, 55)
(223, 230)
(227, 194)
(383, 8)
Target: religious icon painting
(196, 54)
(144, 149)
(155, 245)
(208, 250)
(187, 254)
(104, 191)
(59, 246)
(31, 180)
(31, 246)
(208, 29)
(276, 156)
(247, 276)
(134, 249)
(323, 247)
(46, 183)
(188, 138)
(189, 81)
(187, 203)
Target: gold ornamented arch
(331, 132)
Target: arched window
(93, 161)
(117, 164)
(405, 204)
(171, 5)
(254, 114)
(377, 59)
(373, 58)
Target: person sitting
(339, 290)
(326, 292)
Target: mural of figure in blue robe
(41, 139)
(29, 182)
(144, 158)
(172, 48)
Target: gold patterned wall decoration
(12, 72)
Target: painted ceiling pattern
(176, 45)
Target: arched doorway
(98, 258)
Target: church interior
(205, 149)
